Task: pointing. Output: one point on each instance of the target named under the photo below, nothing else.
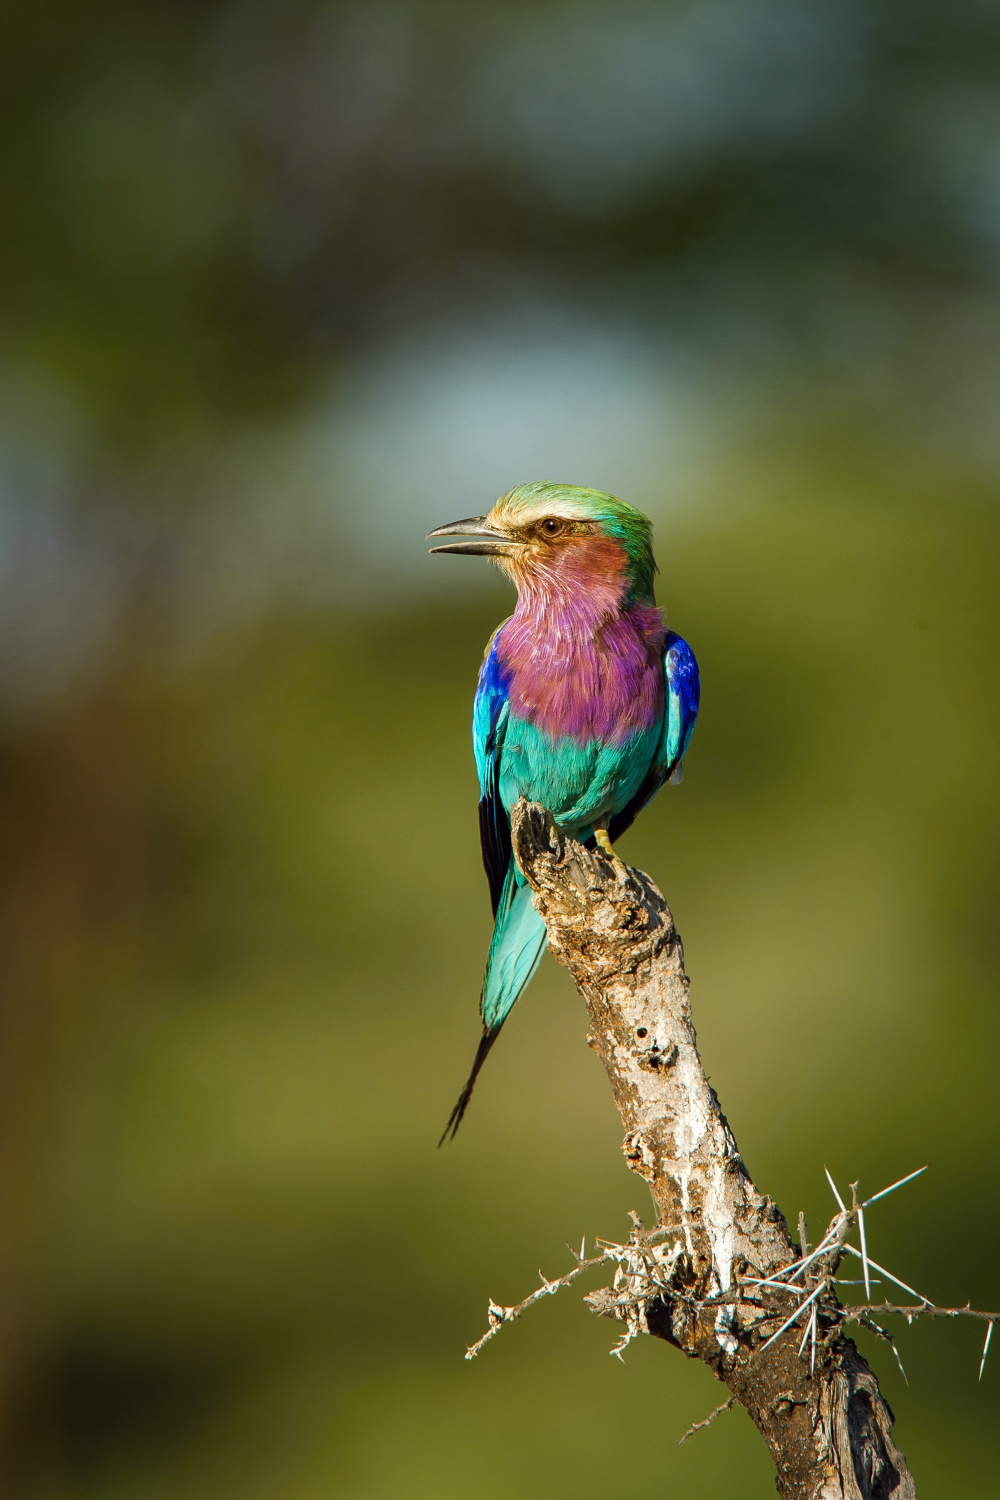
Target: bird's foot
(603, 842)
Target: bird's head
(551, 533)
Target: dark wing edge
(680, 710)
(494, 832)
(494, 824)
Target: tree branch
(698, 1286)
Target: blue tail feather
(519, 939)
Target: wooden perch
(695, 1280)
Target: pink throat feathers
(577, 662)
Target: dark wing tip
(494, 840)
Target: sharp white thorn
(986, 1347)
(902, 1181)
(789, 1321)
(805, 1336)
(883, 1272)
(899, 1362)
(833, 1186)
(798, 1266)
(864, 1254)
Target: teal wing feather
(518, 932)
(519, 935)
(680, 711)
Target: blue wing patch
(683, 698)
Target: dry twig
(707, 1422)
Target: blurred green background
(281, 287)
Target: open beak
(478, 539)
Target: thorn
(812, 1361)
(883, 1272)
(883, 1333)
(840, 1201)
(986, 1346)
(789, 1321)
(803, 1234)
(902, 1181)
(798, 1266)
(864, 1254)
(805, 1336)
(899, 1361)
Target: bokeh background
(282, 286)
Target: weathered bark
(829, 1431)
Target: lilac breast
(594, 679)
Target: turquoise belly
(581, 785)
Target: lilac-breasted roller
(585, 703)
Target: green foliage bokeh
(245, 1216)
(241, 905)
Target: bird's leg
(603, 842)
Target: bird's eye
(552, 526)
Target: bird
(585, 702)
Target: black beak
(480, 540)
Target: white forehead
(522, 513)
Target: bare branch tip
(707, 1421)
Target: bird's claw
(603, 842)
